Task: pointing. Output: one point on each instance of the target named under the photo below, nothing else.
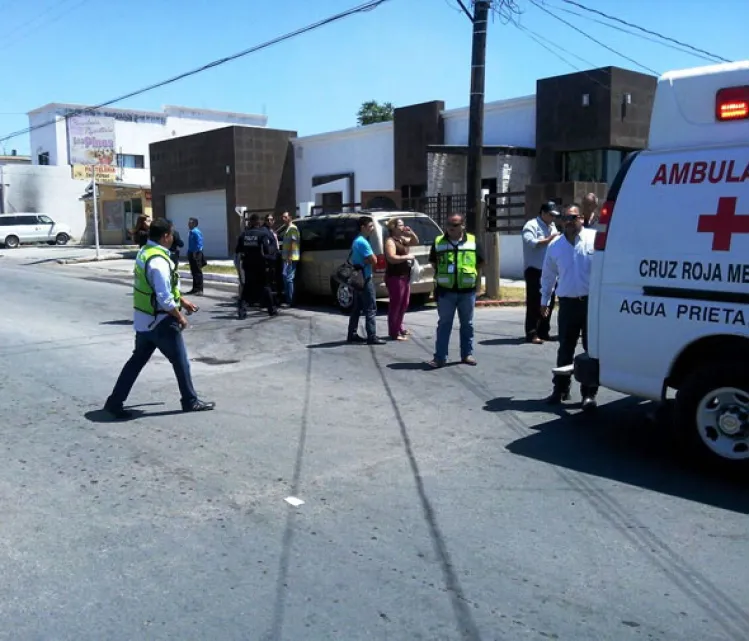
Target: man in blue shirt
(363, 257)
(195, 257)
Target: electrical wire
(590, 37)
(540, 41)
(637, 35)
(362, 8)
(644, 30)
(465, 10)
(42, 25)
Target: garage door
(210, 208)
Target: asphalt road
(438, 505)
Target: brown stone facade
(254, 165)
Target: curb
(218, 278)
(78, 261)
(500, 303)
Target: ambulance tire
(726, 383)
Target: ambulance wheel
(344, 296)
(11, 242)
(712, 413)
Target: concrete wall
(47, 190)
(446, 173)
(506, 122)
(367, 152)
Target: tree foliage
(372, 111)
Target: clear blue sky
(405, 51)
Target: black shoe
(199, 406)
(376, 340)
(588, 403)
(557, 397)
(241, 312)
(120, 413)
(356, 339)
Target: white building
(54, 182)
(134, 131)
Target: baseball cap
(550, 207)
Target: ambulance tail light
(380, 264)
(732, 104)
(602, 227)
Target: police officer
(256, 248)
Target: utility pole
(95, 196)
(475, 220)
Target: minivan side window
(27, 220)
(425, 228)
(312, 234)
(8, 221)
(344, 231)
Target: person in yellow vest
(158, 322)
(456, 257)
(289, 256)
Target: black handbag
(349, 274)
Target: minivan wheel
(11, 242)
(344, 296)
(62, 239)
(712, 412)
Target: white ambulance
(668, 304)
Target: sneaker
(557, 397)
(199, 406)
(469, 360)
(588, 403)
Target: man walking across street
(290, 251)
(456, 257)
(195, 256)
(537, 234)
(158, 322)
(362, 257)
(568, 262)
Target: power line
(367, 6)
(43, 24)
(637, 35)
(644, 30)
(590, 37)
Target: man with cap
(537, 234)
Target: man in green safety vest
(456, 257)
(158, 322)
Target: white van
(19, 228)
(668, 304)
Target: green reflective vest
(290, 244)
(144, 297)
(456, 264)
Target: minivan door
(46, 228)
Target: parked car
(325, 242)
(19, 228)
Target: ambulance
(668, 303)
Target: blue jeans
(364, 303)
(167, 338)
(289, 271)
(447, 304)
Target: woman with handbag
(398, 269)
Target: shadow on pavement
(102, 416)
(506, 340)
(418, 366)
(626, 441)
(123, 322)
(329, 345)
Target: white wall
(50, 138)
(366, 151)
(49, 190)
(511, 257)
(506, 122)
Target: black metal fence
(437, 207)
(505, 213)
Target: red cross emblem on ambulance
(723, 224)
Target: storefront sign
(103, 173)
(91, 140)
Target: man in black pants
(537, 234)
(568, 262)
(257, 250)
(195, 256)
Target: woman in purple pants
(397, 273)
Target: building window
(130, 161)
(332, 201)
(595, 165)
(132, 209)
(43, 158)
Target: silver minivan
(19, 228)
(325, 242)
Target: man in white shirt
(537, 234)
(568, 263)
(158, 322)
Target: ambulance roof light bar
(732, 104)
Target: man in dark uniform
(256, 248)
